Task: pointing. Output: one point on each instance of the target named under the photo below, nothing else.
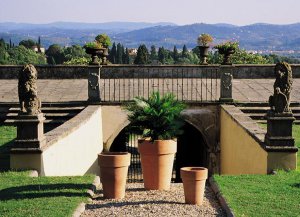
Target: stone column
(279, 129)
(94, 95)
(226, 83)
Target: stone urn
(113, 173)
(226, 55)
(157, 158)
(103, 54)
(193, 179)
(203, 54)
(94, 52)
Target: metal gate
(135, 169)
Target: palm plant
(157, 118)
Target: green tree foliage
(126, 57)
(273, 58)
(184, 53)
(142, 56)
(162, 55)
(29, 43)
(153, 53)
(75, 51)
(175, 54)
(55, 54)
(78, 61)
(120, 52)
(113, 54)
(20, 55)
(239, 57)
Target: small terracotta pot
(113, 173)
(157, 160)
(193, 179)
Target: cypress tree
(175, 54)
(126, 57)
(184, 52)
(113, 54)
(119, 57)
(153, 54)
(142, 56)
(162, 55)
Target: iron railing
(186, 83)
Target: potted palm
(227, 49)
(158, 120)
(203, 43)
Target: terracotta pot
(193, 179)
(113, 173)
(157, 160)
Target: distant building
(132, 51)
(38, 50)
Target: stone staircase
(55, 114)
(257, 111)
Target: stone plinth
(226, 83)
(30, 133)
(94, 84)
(279, 129)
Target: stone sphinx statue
(27, 90)
(280, 101)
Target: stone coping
(240, 71)
(69, 126)
(253, 129)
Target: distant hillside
(252, 37)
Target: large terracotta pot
(157, 163)
(113, 173)
(193, 179)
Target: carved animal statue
(27, 90)
(280, 101)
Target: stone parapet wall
(135, 71)
(72, 149)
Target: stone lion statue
(280, 101)
(27, 90)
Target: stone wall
(72, 149)
(243, 150)
(134, 71)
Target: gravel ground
(139, 202)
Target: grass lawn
(21, 195)
(264, 195)
(7, 135)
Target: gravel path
(139, 202)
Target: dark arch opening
(191, 150)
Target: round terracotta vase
(193, 179)
(113, 173)
(157, 160)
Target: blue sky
(238, 12)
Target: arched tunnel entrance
(191, 151)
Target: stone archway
(202, 123)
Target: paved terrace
(64, 90)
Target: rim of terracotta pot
(197, 173)
(155, 147)
(115, 159)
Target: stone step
(259, 116)
(48, 109)
(264, 109)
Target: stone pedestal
(279, 129)
(94, 84)
(30, 133)
(226, 83)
